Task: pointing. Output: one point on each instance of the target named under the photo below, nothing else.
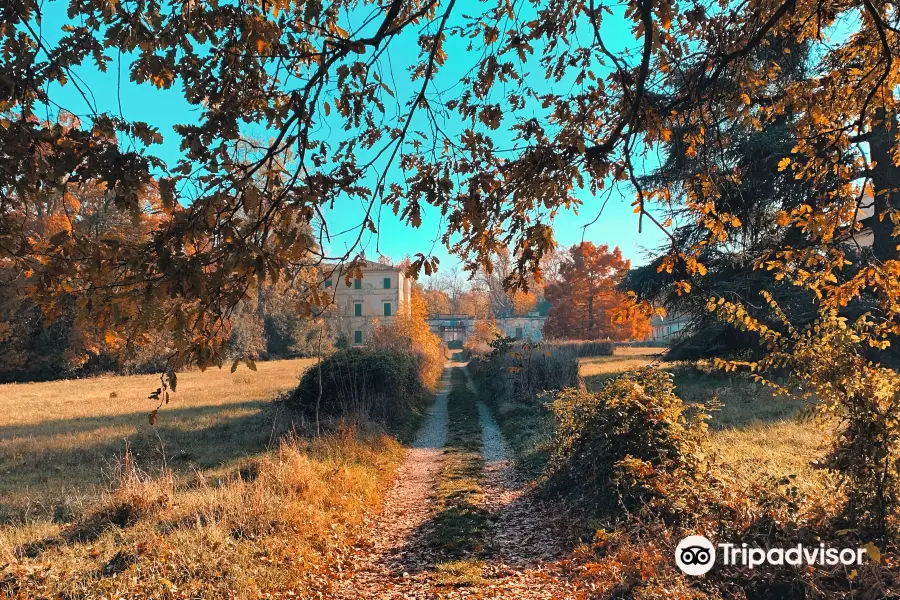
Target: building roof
(364, 265)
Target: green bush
(630, 445)
(378, 384)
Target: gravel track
(525, 536)
(389, 566)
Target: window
(357, 337)
(387, 309)
(357, 309)
(328, 283)
(518, 333)
(387, 283)
(357, 284)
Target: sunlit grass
(213, 501)
(59, 440)
(758, 435)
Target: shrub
(374, 383)
(587, 347)
(630, 445)
(854, 398)
(521, 371)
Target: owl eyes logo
(695, 555)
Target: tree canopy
(546, 107)
(585, 301)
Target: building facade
(666, 329)
(455, 329)
(383, 292)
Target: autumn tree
(585, 300)
(437, 302)
(540, 120)
(505, 302)
(65, 332)
(409, 331)
(475, 302)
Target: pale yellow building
(383, 292)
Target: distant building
(383, 292)
(454, 329)
(528, 327)
(665, 329)
(864, 238)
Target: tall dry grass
(207, 504)
(282, 526)
(586, 347)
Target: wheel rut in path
(524, 545)
(525, 537)
(397, 540)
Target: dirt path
(397, 534)
(397, 561)
(525, 533)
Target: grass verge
(276, 528)
(460, 520)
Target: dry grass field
(625, 358)
(758, 435)
(97, 503)
(60, 440)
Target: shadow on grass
(458, 527)
(54, 470)
(168, 416)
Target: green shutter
(357, 284)
(357, 337)
(328, 283)
(357, 310)
(387, 309)
(387, 283)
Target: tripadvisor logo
(696, 555)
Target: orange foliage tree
(67, 329)
(437, 302)
(409, 332)
(585, 300)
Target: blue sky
(164, 108)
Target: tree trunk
(886, 182)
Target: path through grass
(460, 521)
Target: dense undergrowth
(360, 384)
(639, 463)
